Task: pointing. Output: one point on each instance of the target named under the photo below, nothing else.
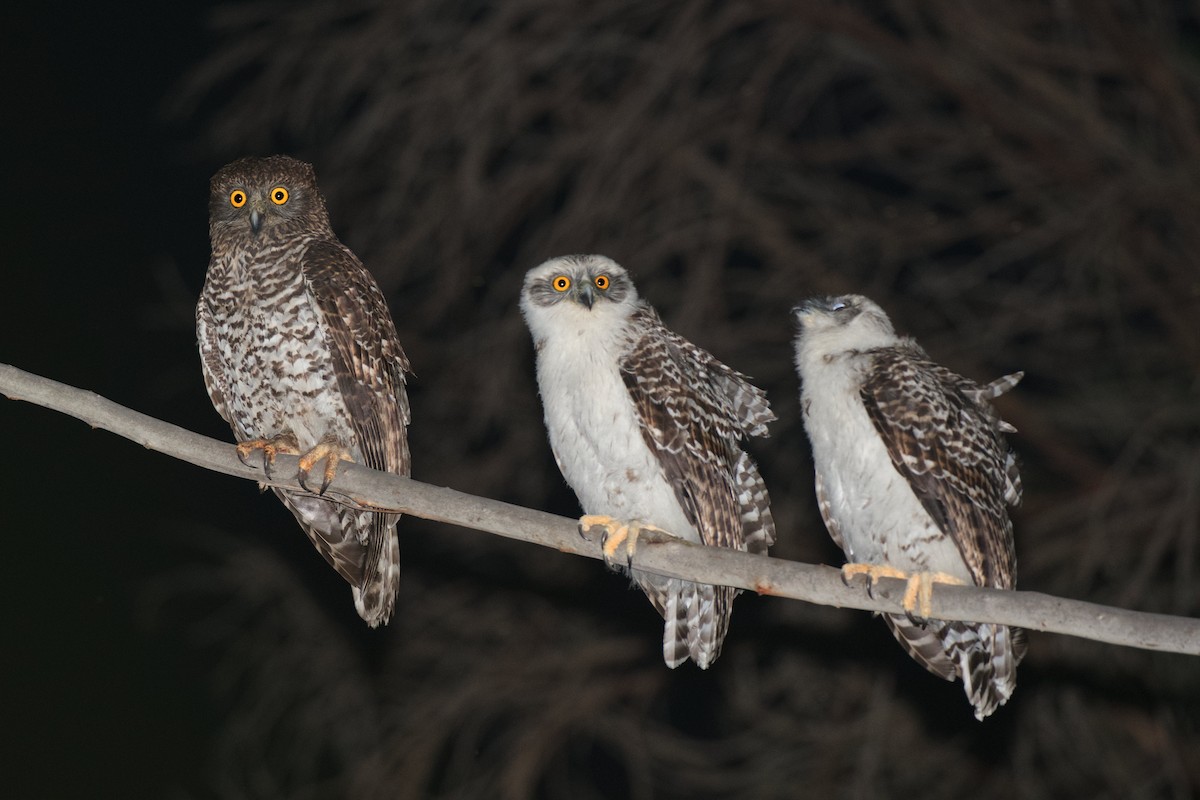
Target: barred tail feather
(695, 618)
(708, 610)
(923, 643)
(376, 599)
(989, 666)
(673, 608)
(984, 655)
(342, 536)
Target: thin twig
(809, 582)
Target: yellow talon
(283, 443)
(873, 572)
(588, 521)
(918, 594)
(617, 532)
(615, 538)
(918, 591)
(331, 452)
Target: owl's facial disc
(588, 283)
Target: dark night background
(1019, 186)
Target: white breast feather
(880, 518)
(592, 423)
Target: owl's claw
(873, 572)
(918, 591)
(623, 534)
(331, 452)
(614, 532)
(283, 443)
(918, 594)
(618, 533)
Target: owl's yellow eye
(237, 198)
(561, 283)
(602, 282)
(279, 195)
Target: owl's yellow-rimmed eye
(237, 198)
(561, 283)
(602, 282)
(279, 195)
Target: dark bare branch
(809, 582)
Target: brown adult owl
(301, 356)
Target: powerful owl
(301, 356)
(913, 480)
(647, 429)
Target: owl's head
(253, 196)
(582, 290)
(828, 326)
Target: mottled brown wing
(367, 357)
(213, 368)
(368, 361)
(945, 439)
(694, 411)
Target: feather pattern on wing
(694, 412)
(370, 366)
(945, 438)
(368, 360)
(948, 445)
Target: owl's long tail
(988, 662)
(695, 619)
(984, 655)
(375, 600)
(350, 540)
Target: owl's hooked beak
(817, 305)
(586, 296)
(256, 219)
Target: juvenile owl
(913, 480)
(301, 356)
(647, 429)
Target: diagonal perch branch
(809, 582)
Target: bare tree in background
(1017, 183)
